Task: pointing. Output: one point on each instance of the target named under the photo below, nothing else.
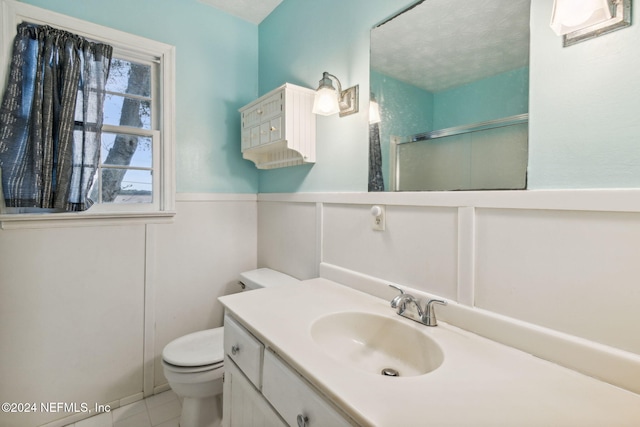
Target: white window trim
(11, 14)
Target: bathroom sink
(376, 344)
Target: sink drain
(390, 372)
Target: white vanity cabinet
(279, 128)
(261, 390)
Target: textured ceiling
(249, 10)
(441, 44)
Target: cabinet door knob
(302, 420)
(235, 349)
(259, 111)
(273, 128)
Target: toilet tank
(263, 278)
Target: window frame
(126, 46)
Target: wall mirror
(451, 81)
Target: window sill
(82, 219)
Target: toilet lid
(196, 349)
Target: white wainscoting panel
(553, 273)
(288, 238)
(417, 249)
(71, 317)
(198, 259)
(575, 272)
(86, 311)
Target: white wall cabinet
(277, 397)
(279, 129)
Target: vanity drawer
(244, 349)
(296, 401)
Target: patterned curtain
(376, 181)
(51, 118)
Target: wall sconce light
(374, 110)
(580, 20)
(328, 101)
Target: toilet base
(198, 412)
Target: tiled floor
(160, 410)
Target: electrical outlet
(378, 218)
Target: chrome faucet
(426, 316)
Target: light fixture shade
(326, 101)
(330, 101)
(573, 15)
(374, 112)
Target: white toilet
(193, 364)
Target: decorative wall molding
(610, 200)
(216, 197)
(529, 264)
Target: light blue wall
(584, 104)
(300, 40)
(496, 97)
(216, 73)
(584, 107)
(404, 109)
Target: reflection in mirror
(451, 78)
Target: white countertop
(480, 383)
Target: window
(136, 174)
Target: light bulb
(326, 102)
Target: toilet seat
(191, 369)
(195, 352)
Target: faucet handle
(396, 300)
(429, 316)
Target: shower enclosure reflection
(490, 156)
